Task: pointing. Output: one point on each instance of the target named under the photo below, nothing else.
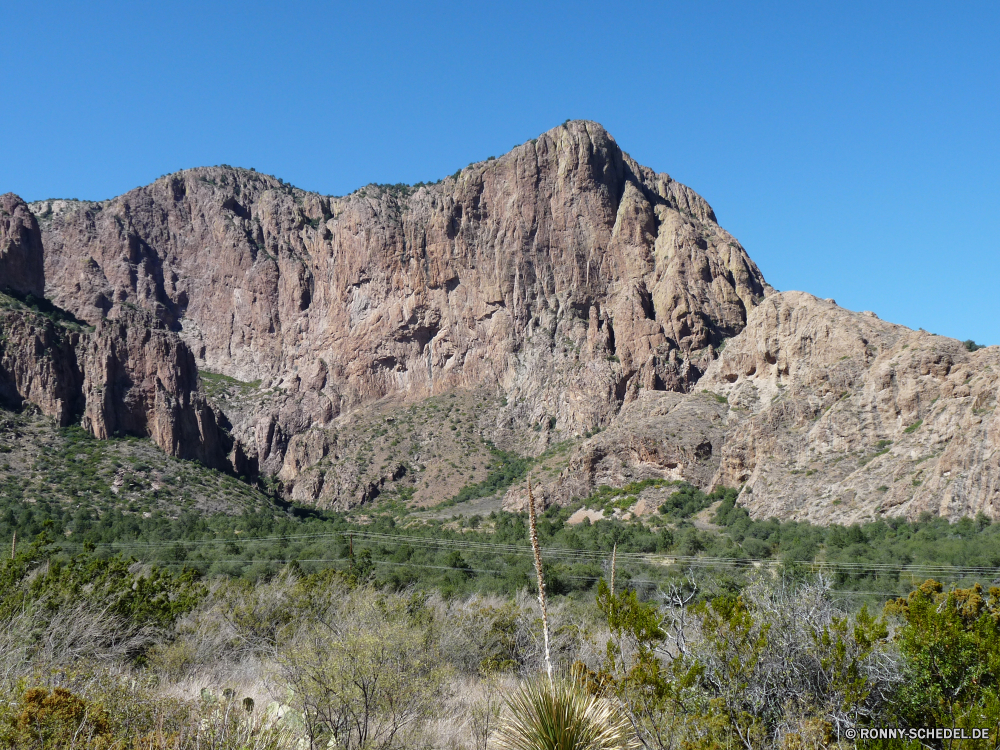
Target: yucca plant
(533, 535)
(559, 715)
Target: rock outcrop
(125, 376)
(820, 414)
(38, 363)
(839, 416)
(21, 261)
(139, 379)
(563, 275)
(563, 288)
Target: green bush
(951, 644)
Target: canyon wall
(563, 276)
(576, 298)
(123, 376)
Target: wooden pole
(13, 546)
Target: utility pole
(13, 546)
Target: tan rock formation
(658, 435)
(572, 286)
(141, 380)
(125, 377)
(38, 363)
(20, 248)
(837, 415)
(563, 275)
(829, 416)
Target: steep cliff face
(821, 414)
(840, 416)
(38, 363)
(37, 354)
(141, 380)
(563, 275)
(125, 376)
(561, 288)
(20, 248)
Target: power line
(883, 594)
(571, 554)
(582, 556)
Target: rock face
(38, 363)
(821, 414)
(563, 275)
(562, 288)
(20, 248)
(839, 416)
(659, 435)
(141, 380)
(127, 376)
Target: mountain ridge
(562, 281)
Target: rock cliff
(563, 275)
(837, 415)
(560, 296)
(124, 376)
(139, 379)
(821, 414)
(21, 258)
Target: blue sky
(852, 147)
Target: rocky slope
(125, 376)
(840, 416)
(563, 276)
(41, 464)
(821, 414)
(559, 291)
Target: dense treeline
(489, 554)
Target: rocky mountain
(563, 277)
(561, 295)
(122, 376)
(821, 414)
(836, 415)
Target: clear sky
(852, 147)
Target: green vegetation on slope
(490, 553)
(60, 473)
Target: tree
(364, 672)
(951, 644)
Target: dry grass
(241, 641)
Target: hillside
(395, 341)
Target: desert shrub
(485, 635)
(56, 612)
(364, 671)
(749, 670)
(123, 711)
(57, 719)
(562, 716)
(688, 500)
(780, 654)
(951, 644)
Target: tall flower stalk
(533, 524)
(614, 559)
